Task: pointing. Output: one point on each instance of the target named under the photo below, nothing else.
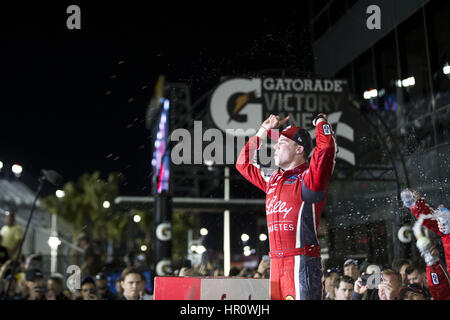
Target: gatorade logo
(289, 297)
(434, 278)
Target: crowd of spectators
(23, 279)
(403, 280)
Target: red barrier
(211, 288)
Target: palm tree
(82, 206)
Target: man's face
(54, 286)
(131, 285)
(415, 277)
(34, 287)
(102, 286)
(391, 279)
(352, 271)
(344, 291)
(285, 152)
(403, 273)
(87, 289)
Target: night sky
(75, 100)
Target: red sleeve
(422, 208)
(323, 159)
(438, 282)
(245, 166)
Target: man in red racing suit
(438, 279)
(295, 197)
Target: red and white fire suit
(438, 280)
(294, 203)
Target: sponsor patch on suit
(435, 278)
(326, 129)
(291, 179)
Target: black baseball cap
(88, 279)
(33, 274)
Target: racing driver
(295, 197)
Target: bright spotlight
(60, 193)
(200, 249)
(245, 237)
(17, 169)
(54, 242)
(446, 70)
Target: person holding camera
(34, 281)
(88, 289)
(55, 286)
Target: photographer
(34, 281)
(390, 286)
(378, 286)
(88, 289)
(55, 288)
(363, 289)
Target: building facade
(399, 76)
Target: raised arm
(420, 207)
(245, 164)
(322, 162)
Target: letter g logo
(233, 105)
